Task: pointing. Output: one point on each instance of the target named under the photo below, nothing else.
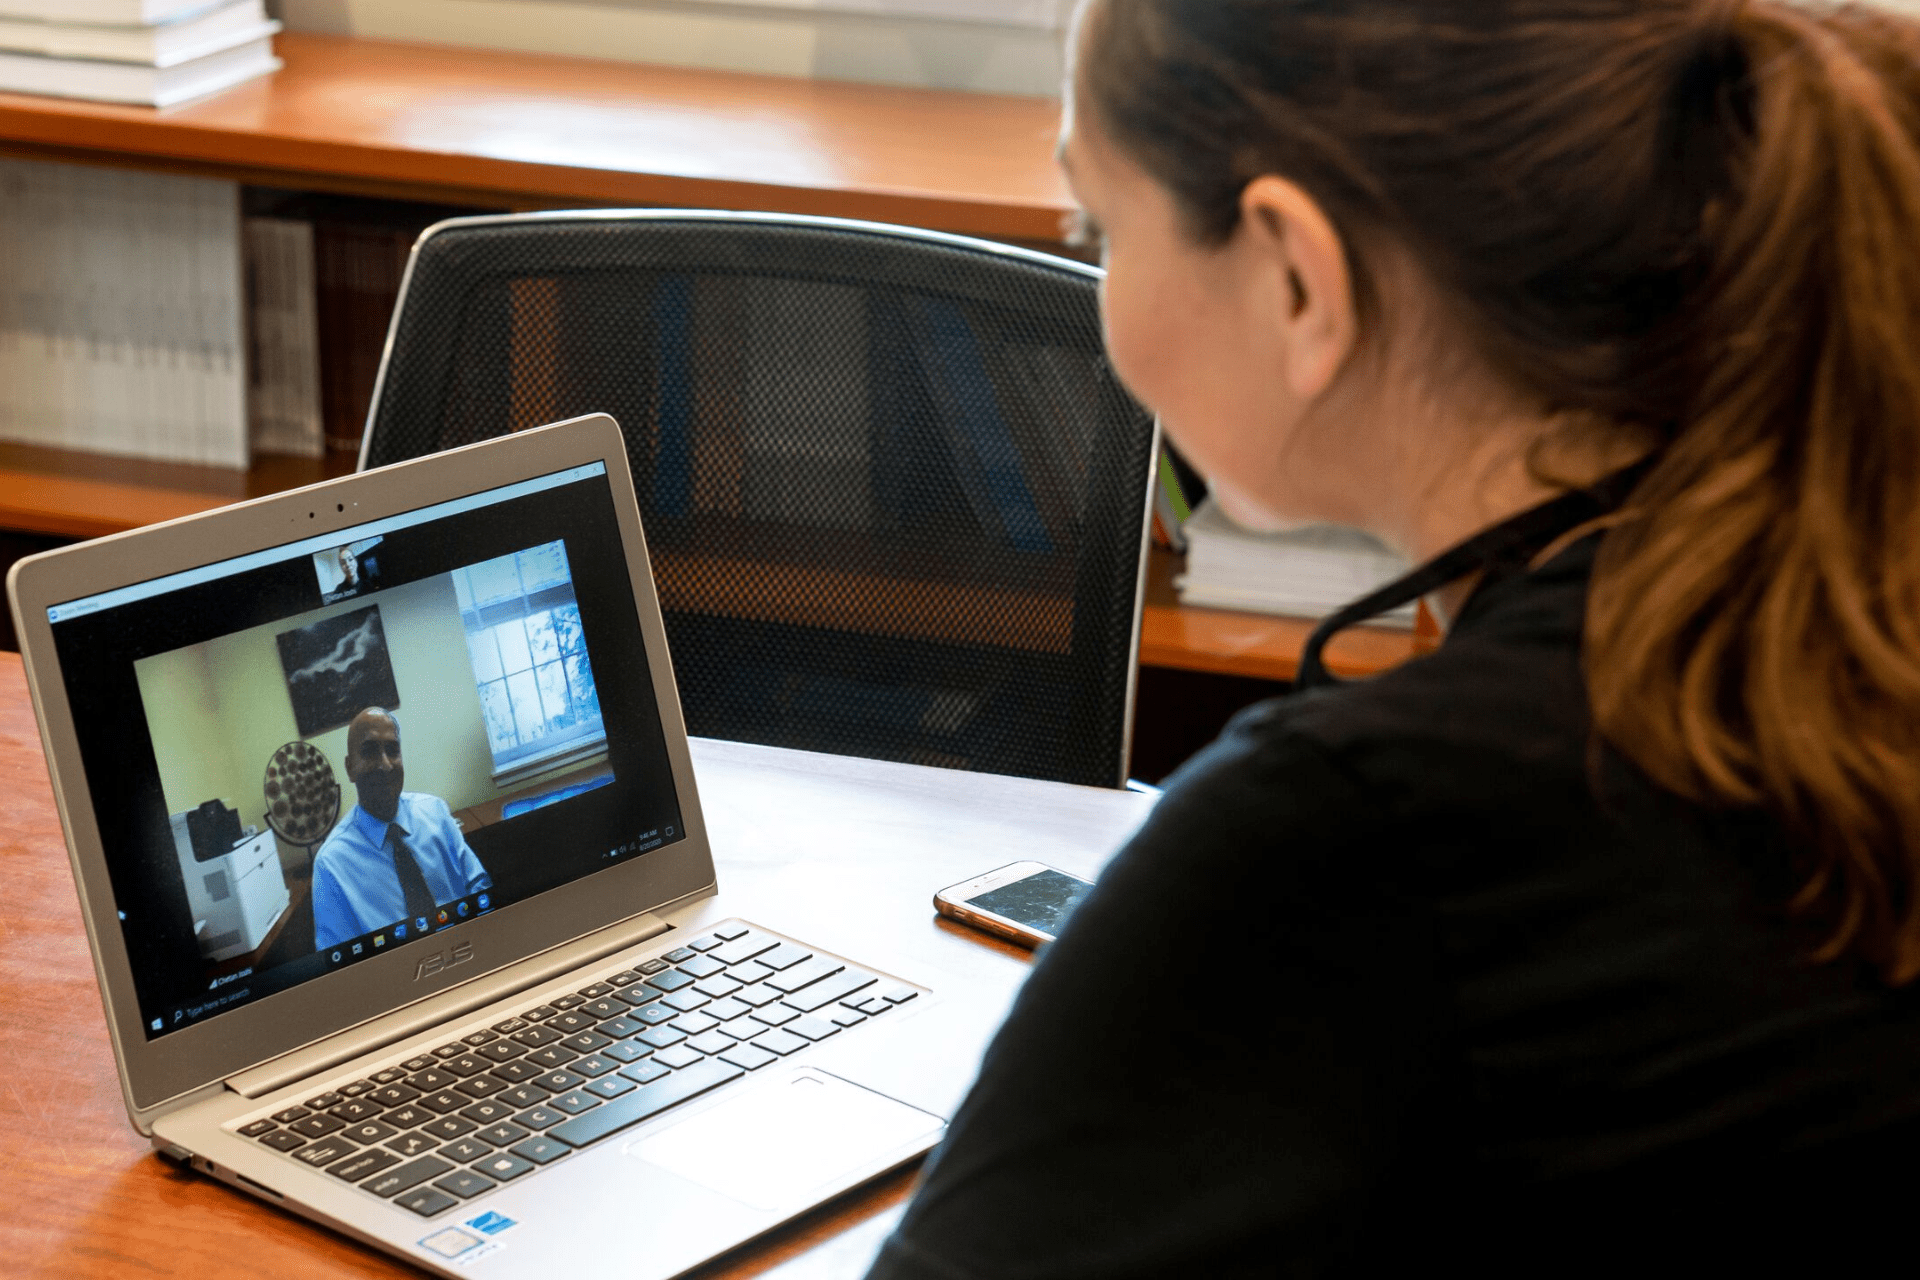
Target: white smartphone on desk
(1024, 902)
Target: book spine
(283, 339)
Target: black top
(1413, 970)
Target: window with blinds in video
(529, 660)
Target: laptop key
(848, 1018)
(317, 1126)
(569, 1002)
(518, 1072)
(557, 1081)
(430, 1081)
(640, 995)
(536, 1037)
(679, 1056)
(479, 1038)
(541, 1150)
(407, 1176)
(356, 1109)
(358, 1087)
(749, 1056)
(645, 1102)
(554, 1055)
(388, 1076)
(695, 1024)
(575, 1102)
(707, 943)
(420, 1063)
(594, 1066)
(626, 1051)
(671, 980)
(393, 1095)
(539, 1013)
(718, 986)
(776, 1015)
(618, 1028)
(502, 1134)
(466, 1184)
(781, 1042)
(412, 1144)
(838, 987)
(488, 1112)
(727, 1010)
(611, 1087)
(744, 1028)
(645, 1072)
(447, 1128)
(732, 932)
(701, 967)
(587, 1041)
(257, 1128)
(625, 978)
(407, 1117)
(784, 956)
(325, 1151)
(453, 1050)
(757, 995)
(653, 966)
(444, 1101)
(813, 1028)
(597, 990)
(568, 1023)
(654, 1015)
(481, 1086)
(504, 1166)
(501, 1051)
(539, 1117)
(370, 1132)
(527, 1095)
(427, 1202)
(509, 1026)
(362, 1164)
(291, 1114)
(281, 1140)
(660, 1037)
(681, 953)
(467, 1064)
(871, 1005)
(711, 1042)
(900, 995)
(685, 1001)
(465, 1150)
(604, 1008)
(750, 972)
(805, 974)
(326, 1100)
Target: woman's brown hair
(1699, 218)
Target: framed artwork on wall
(335, 668)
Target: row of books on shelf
(1306, 573)
(187, 319)
(148, 52)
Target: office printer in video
(235, 886)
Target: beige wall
(981, 57)
(218, 711)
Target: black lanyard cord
(1512, 540)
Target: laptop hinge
(371, 1037)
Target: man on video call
(398, 855)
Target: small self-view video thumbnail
(348, 571)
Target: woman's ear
(1298, 248)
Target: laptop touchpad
(776, 1144)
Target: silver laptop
(387, 840)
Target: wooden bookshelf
(524, 131)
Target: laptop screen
(304, 757)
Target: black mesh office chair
(895, 500)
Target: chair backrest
(895, 499)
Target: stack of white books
(1304, 573)
(150, 52)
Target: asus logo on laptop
(440, 961)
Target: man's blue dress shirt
(355, 888)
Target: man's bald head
(373, 761)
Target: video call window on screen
(529, 659)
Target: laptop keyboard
(505, 1101)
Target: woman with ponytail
(1590, 941)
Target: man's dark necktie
(413, 885)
